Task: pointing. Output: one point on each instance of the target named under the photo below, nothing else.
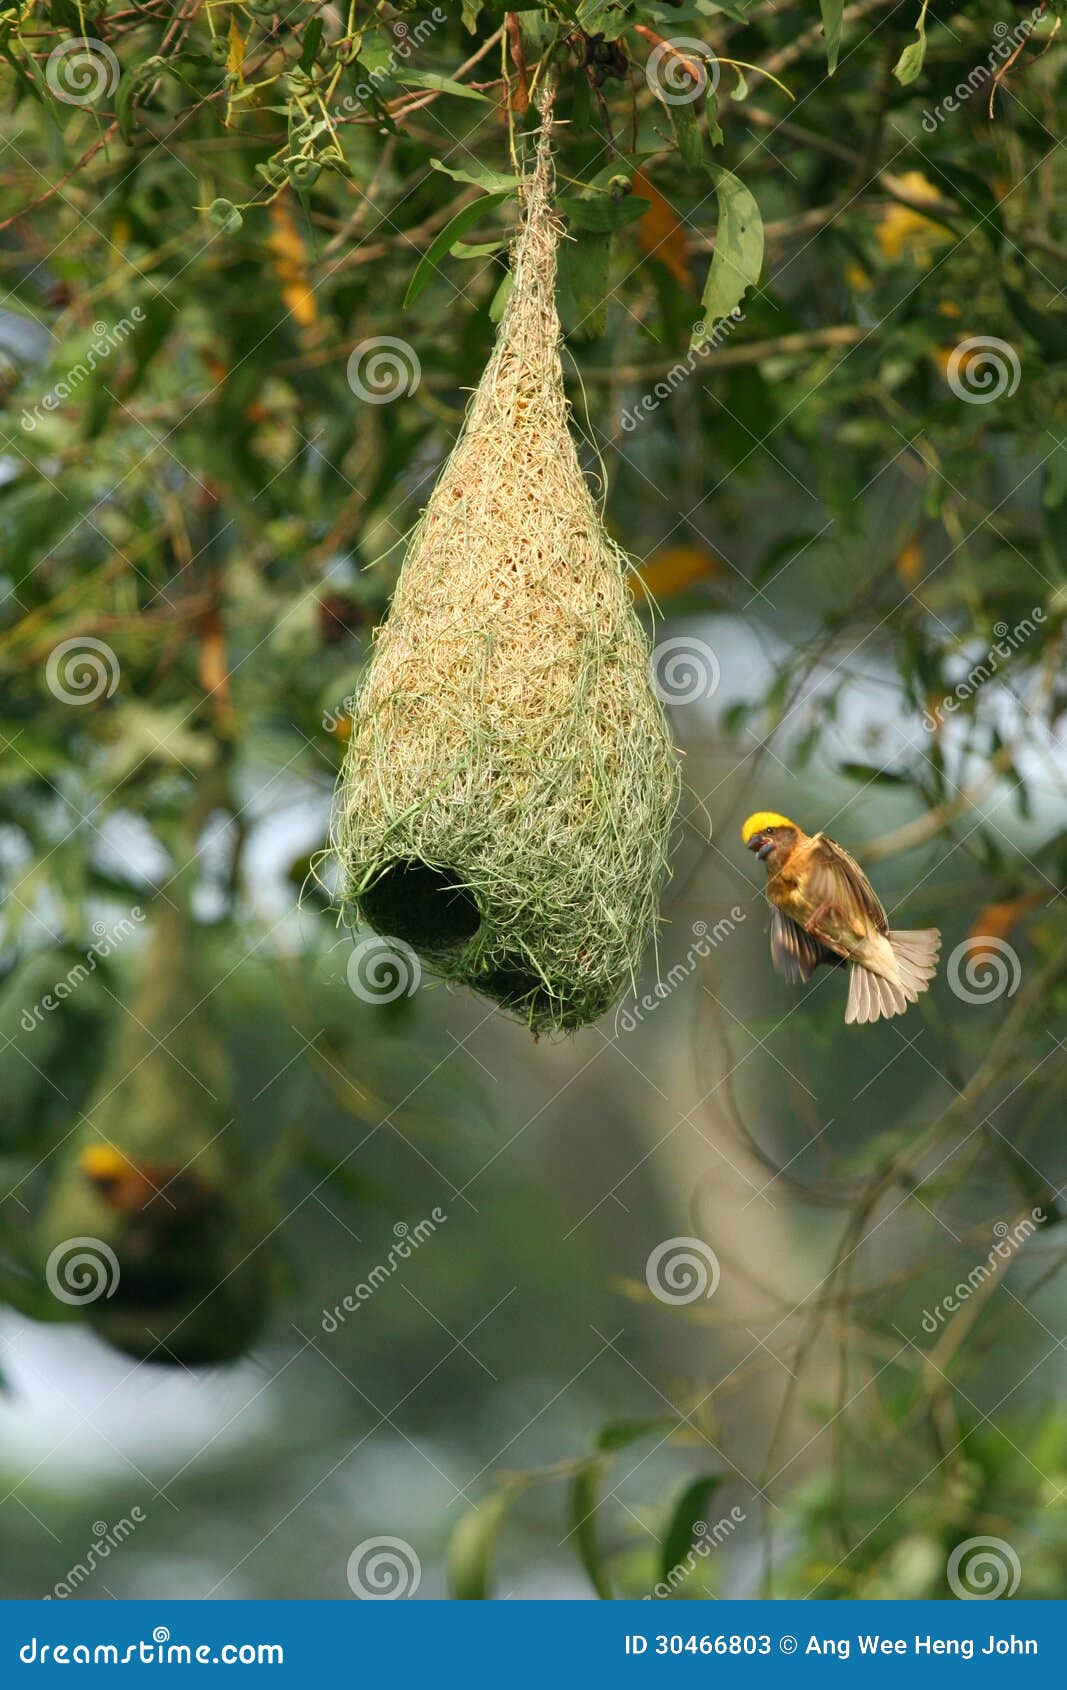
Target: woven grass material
(510, 782)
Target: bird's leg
(812, 924)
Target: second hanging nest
(510, 782)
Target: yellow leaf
(659, 232)
(290, 264)
(910, 563)
(673, 568)
(235, 62)
(901, 229)
(996, 921)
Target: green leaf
(312, 39)
(470, 1547)
(686, 127)
(618, 1433)
(443, 85)
(465, 219)
(681, 1530)
(471, 9)
(1048, 327)
(584, 1500)
(912, 59)
(738, 257)
(479, 176)
(225, 215)
(476, 249)
(498, 303)
(599, 214)
(832, 15)
(871, 773)
(125, 116)
(584, 273)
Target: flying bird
(824, 909)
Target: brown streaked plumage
(824, 909)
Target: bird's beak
(761, 845)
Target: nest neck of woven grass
(510, 783)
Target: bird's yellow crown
(762, 819)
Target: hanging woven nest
(510, 783)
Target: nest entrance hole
(429, 908)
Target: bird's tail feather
(870, 996)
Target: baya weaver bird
(824, 909)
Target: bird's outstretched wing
(836, 879)
(796, 954)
